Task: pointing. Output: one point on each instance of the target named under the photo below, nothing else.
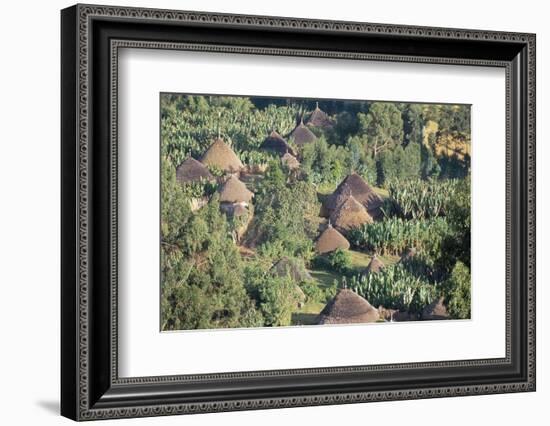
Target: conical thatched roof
(330, 240)
(220, 155)
(292, 267)
(360, 190)
(288, 160)
(349, 214)
(319, 118)
(275, 143)
(375, 265)
(348, 307)
(234, 191)
(435, 311)
(301, 135)
(192, 170)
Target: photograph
(307, 212)
(263, 208)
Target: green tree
(324, 163)
(459, 290)
(201, 268)
(340, 260)
(277, 298)
(413, 123)
(383, 126)
(286, 216)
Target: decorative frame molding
(91, 37)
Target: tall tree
(383, 126)
(413, 123)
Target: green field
(307, 314)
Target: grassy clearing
(308, 314)
(325, 278)
(359, 260)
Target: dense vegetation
(418, 157)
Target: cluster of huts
(353, 204)
(235, 197)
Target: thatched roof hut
(348, 307)
(330, 240)
(349, 214)
(289, 161)
(235, 191)
(192, 170)
(361, 191)
(375, 265)
(275, 143)
(291, 267)
(435, 311)
(220, 155)
(319, 118)
(301, 135)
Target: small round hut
(192, 170)
(347, 307)
(375, 265)
(349, 214)
(435, 311)
(235, 192)
(301, 135)
(330, 240)
(220, 155)
(275, 143)
(319, 118)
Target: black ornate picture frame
(91, 36)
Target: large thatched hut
(192, 170)
(330, 240)
(276, 143)
(360, 190)
(220, 155)
(347, 307)
(349, 214)
(301, 135)
(291, 267)
(234, 191)
(319, 118)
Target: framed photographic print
(263, 212)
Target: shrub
(339, 260)
(277, 299)
(458, 288)
(312, 291)
(330, 292)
